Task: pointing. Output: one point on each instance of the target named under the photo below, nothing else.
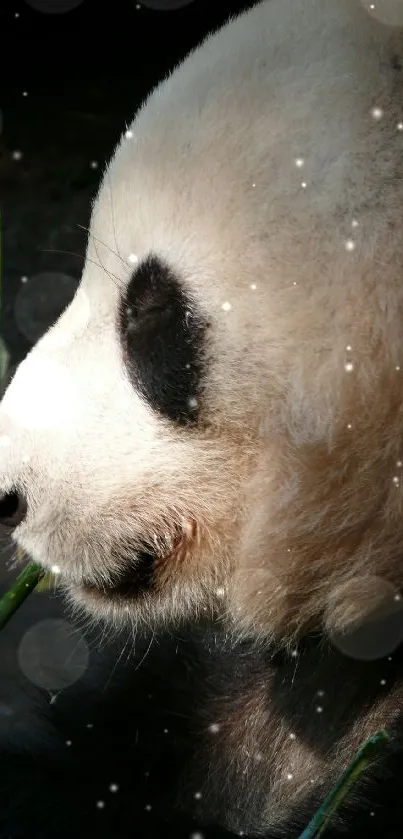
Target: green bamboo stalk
(24, 584)
(367, 753)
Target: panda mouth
(136, 580)
(142, 575)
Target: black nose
(13, 509)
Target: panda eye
(162, 337)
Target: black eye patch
(163, 337)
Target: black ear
(163, 341)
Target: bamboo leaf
(365, 755)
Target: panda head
(127, 433)
(185, 440)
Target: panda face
(214, 424)
(115, 447)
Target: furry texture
(266, 174)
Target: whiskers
(114, 251)
(118, 281)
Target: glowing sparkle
(383, 682)
(192, 403)
(16, 155)
(349, 366)
(354, 223)
(226, 306)
(289, 776)
(299, 162)
(55, 569)
(198, 796)
(129, 134)
(350, 245)
(132, 258)
(94, 164)
(100, 805)
(400, 126)
(113, 787)
(292, 736)
(214, 728)
(303, 184)
(396, 480)
(253, 286)
(377, 113)
(349, 425)
(220, 592)
(348, 347)
(319, 709)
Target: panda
(209, 443)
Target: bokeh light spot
(53, 654)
